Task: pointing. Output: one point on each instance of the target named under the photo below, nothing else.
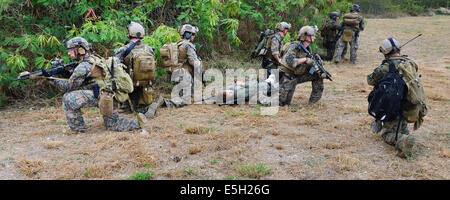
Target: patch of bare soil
(330, 140)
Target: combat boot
(407, 146)
(143, 122)
(151, 110)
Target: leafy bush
(33, 29)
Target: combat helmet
(355, 7)
(78, 42)
(136, 30)
(187, 28)
(389, 46)
(306, 30)
(282, 25)
(333, 15)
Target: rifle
(58, 68)
(317, 63)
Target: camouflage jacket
(383, 69)
(190, 56)
(121, 51)
(275, 45)
(78, 78)
(293, 53)
(332, 28)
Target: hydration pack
(385, 100)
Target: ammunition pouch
(106, 102)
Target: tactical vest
(101, 73)
(299, 53)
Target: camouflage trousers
(75, 100)
(390, 129)
(288, 84)
(341, 49)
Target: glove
(309, 61)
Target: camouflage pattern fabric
(390, 128)
(74, 100)
(288, 84)
(289, 81)
(269, 61)
(340, 45)
(121, 50)
(380, 71)
(192, 58)
(137, 92)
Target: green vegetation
(189, 170)
(255, 171)
(393, 7)
(34, 29)
(142, 176)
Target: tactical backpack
(352, 19)
(170, 56)
(263, 45)
(143, 65)
(102, 73)
(415, 94)
(386, 98)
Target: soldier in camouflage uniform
(191, 70)
(272, 58)
(341, 45)
(81, 91)
(405, 141)
(135, 33)
(296, 69)
(330, 33)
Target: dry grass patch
(194, 150)
(278, 146)
(52, 144)
(275, 132)
(29, 167)
(444, 153)
(332, 145)
(345, 162)
(195, 130)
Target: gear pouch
(348, 35)
(106, 102)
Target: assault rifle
(58, 68)
(317, 64)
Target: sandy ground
(330, 140)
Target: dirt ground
(329, 140)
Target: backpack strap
(131, 47)
(391, 65)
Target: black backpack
(385, 100)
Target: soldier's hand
(309, 61)
(37, 77)
(323, 75)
